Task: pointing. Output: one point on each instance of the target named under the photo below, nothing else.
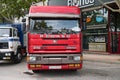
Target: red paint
(54, 9)
(119, 42)
(47, 45)
(109, 35)
(46, 67)
(54, 43)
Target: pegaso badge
(55, 41)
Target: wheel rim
(19, 56)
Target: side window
(10, 32)
(15, 34)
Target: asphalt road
(90, 71)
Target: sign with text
(81, 3)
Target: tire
(24, 53)
(18, 57)
(36, 71)
(74, 70)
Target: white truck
(11, 42)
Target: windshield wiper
(67, 31)
(55, 31)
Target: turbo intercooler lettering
(54, 36)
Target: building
(102, 29)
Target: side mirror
(18, 34)
(23, 20)
(24, 28)
(24, 25)
(83, 24)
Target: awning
(112, 5)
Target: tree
(10, 9)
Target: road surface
(90, 71)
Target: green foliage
(42, 24)
(9, 9)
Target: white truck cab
(10, 46)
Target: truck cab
(10, 45)
(54, 38)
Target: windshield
(57, 26)
(4, 32)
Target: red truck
(54, 38)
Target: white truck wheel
(18, 56)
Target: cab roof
(5, 26)
(55, 9)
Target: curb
(113, 59)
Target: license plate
(54, 67)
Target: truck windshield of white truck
(54, 26)
(5, 32)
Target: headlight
(76, 58)
(32, 58)
(7, 54)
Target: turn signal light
(77, 65)
(74, 65)
(32, 66)
(35, 66)
(71, 65)
(38, 65)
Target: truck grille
(4, 45)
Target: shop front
(102, 29)
(95, 36)
(114, 33)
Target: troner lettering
(81, 3)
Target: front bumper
(6, 55)
(54, 61)
(55, 67)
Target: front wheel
(18, 56)
(74, 70)
(36, 71)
